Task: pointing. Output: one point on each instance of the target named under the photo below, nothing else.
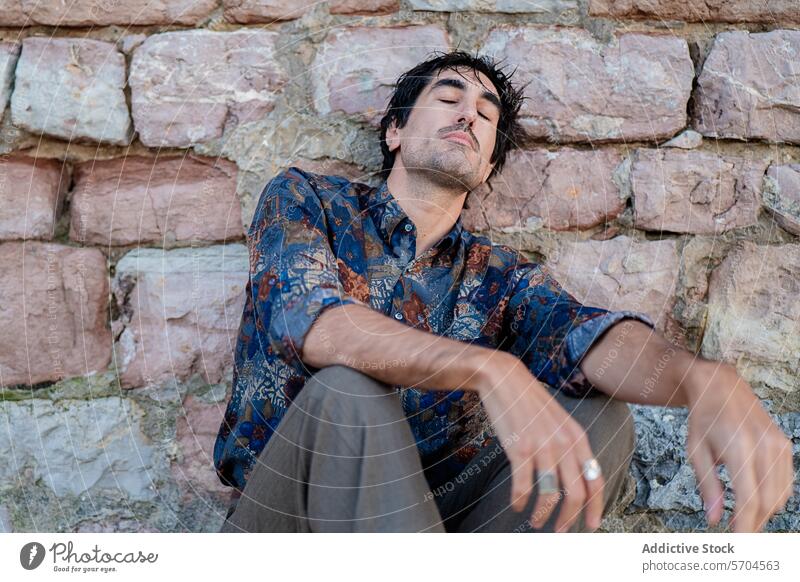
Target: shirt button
(398, 316)
(409, 227)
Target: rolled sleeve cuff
(291, 324)
(571, 379)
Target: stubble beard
(445, 166)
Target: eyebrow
(458, 84)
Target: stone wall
(661, 172)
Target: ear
(392, 137)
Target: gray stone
(76, 447)
(754, 315)
(687, 140)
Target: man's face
(451, 131)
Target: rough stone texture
(620, 273)
(781, 195)
(754, 315)
(363, 6)
(687, 140)
(31, 196)
(71, 88)
(666, 484)
(188, 87)
(561, 190)
(635, 88)
(695, 192)
(749, 87)
(91, 445)
(180, 311)
(254, 11)
(9, 53)
(355, 70)
(163, 200)
(510, 6)
(103, 13)
(197, 428)
(776, 11)
(54, 308)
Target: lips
(461, 137)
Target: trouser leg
(479, 498)
(343, 458)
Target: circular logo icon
(31, 555)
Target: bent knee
(349, 389)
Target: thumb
(705, 470)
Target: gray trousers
(343, 458)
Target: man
(395, 372)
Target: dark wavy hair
(411, 84)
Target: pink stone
(266, 11)
(104, 12)
(73, 89)
(54, 302)
(695, 192)
(776, 11)
(163, 200)
(620, 273)
(179, 313)
(563, 189)
(581, 90)
(363, 6)
(197, 428)
(32, 192)
(781, 195)
(355, 69)
(749, 87)
(187, 87)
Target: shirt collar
(387, 213)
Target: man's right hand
(537, 434)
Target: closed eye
(479, 113)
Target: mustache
(466, 130)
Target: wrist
(489, 367)
(698, 377)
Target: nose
(468, 114)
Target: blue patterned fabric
(320, 241)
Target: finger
(573, 484)
(545, 502)
(594, 488)
(705, 470)
(776, 477)
(594, 503)
(521, 482)
(741, 466)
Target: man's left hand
(727, 424)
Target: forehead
(466, 75)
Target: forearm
(634, 363)
(392, 352)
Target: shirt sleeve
(294, 275)
(550, 331)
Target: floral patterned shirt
(320, 241)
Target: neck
(432, 207)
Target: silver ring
(548, 483)
(591, 469)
